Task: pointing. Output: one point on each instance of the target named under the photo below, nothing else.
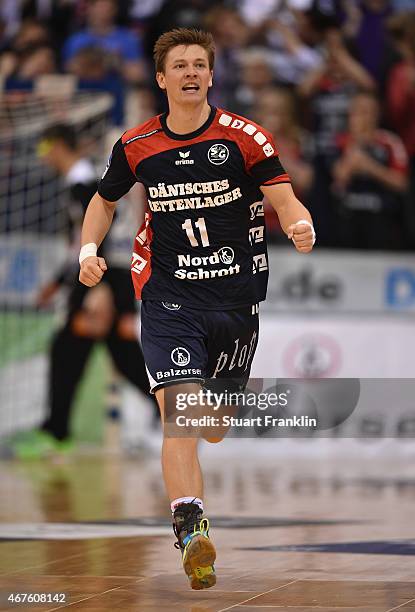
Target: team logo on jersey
(218, 154)
(256, 234)
(171, 306)
(184, 159)
(257, 210)
(180, 356)
(226, 255)
(259, 263)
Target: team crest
(218, 154)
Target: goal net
(32, 242)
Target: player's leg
(181, 468)
(232, 341)
(184, 484)
(174, 346)
(233, 338)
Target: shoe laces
(187, 520)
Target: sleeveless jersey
(203, 241)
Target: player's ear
(161, 80)
(211, 79)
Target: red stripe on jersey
(141, 258)
(149, 139)
(284, 178)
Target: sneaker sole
(200, 556)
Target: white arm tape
(88, 250)
(305, 222)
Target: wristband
(305, 222)
(88, 250)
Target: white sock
(185, 500)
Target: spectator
(89, 64)
(293, 53)
(329, 90)
(123, 47)
(276, 111)
(231, 35)
(370, 179)
(401, 101)
(94, 73)
(256, 76)
(31, 36)
(368, 29)
(36, 61)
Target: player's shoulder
(245, 131)
(144, 130)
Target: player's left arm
(294, 217)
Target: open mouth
(191, 87)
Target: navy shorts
(185, 344)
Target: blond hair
(182, 36)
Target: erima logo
(184, 159)
(180, 356)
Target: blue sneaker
(198, 552)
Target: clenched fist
(92, 270)
(303, 236)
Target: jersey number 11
(201, 226)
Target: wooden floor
(292, 533)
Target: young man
(199, 262)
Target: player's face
(186, 77)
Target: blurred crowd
(333, 80)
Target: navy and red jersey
(203, 241)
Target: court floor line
(94, 576)
(401, 605)
(240, 603)
(72, 603)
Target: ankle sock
(185, 500)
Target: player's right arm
(97, 222)
(116, 181)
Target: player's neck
(186, 119)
